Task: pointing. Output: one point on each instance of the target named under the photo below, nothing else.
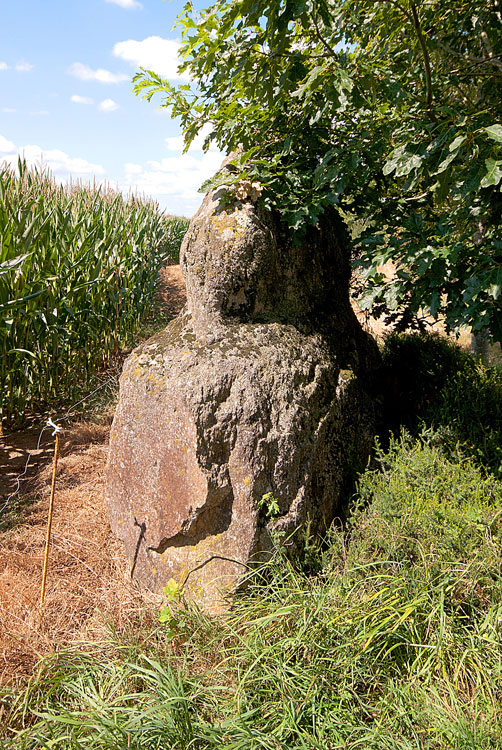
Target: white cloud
(153, 53)
(173, 181)
(8, 110)
(108, 105)
(132, 169)
(39, 113)
(6, 147)
(85, 73)
(23, 66)
(176, 143)
(61, 164)
(77, 99)
(129, 4)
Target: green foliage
(394, 645)
(419, 508)
(175, 229)
(172, 593)
(428, 380)
(270, 505)
(78, 270)
(390, 110)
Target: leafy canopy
(390, 109)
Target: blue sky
(66, 96)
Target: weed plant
(395, 643)
(78, 272)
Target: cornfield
(78, 271)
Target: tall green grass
(78, 270)
(393, 644)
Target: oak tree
(389, 109)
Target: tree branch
(487, 60)
(425, 53)
(322, 39)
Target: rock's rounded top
(242, 263)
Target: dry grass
(87, 582)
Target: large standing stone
(240, 396)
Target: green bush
(426, 516)
(429, 381)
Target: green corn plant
(78, 270)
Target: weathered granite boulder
(242, 395)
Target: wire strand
(51, 423)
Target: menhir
(241, 422)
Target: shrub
(429, 381)
(423, 513)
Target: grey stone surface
(240, 396)
(240, 262)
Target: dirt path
(172, 290)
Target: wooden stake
(49, 525)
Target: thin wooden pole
(49, 524)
